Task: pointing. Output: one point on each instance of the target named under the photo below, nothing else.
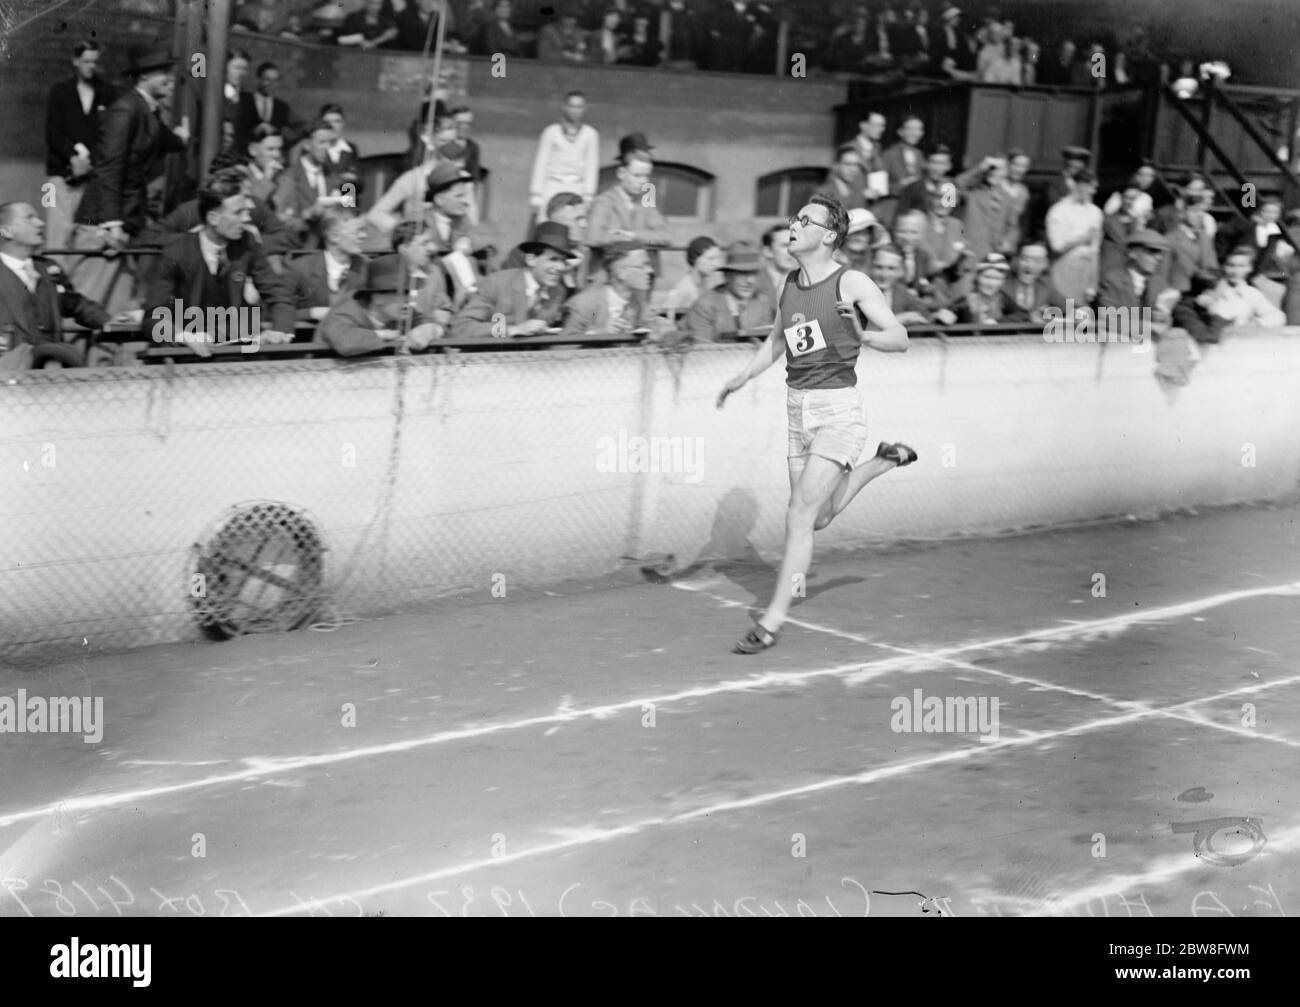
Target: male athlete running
(822, 308)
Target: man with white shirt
(265, 161)
(35, 297)
(71, 131)
(520, 302)
(322, 279)
(306, 187)
(620, 304)
(1138, 283)
(568, 156)
(1234, 301)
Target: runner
(822, 310)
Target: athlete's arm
(769, 352)
(860, 291)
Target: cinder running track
(597, 750)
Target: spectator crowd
(276, 224)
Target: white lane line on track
(1123, 704)
(591, 836)
(854, 673)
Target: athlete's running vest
(821, 345)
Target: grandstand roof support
(214, 98)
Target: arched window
(680, 191)
(783, 192)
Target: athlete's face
(805, 237)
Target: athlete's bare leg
(849, 486)
(813, 490)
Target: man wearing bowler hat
(738, 305)
(370, 319)
(520, 302)
(132, 137)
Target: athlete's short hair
(839, 217)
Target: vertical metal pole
(1207, 110)
(782, 44)
(214, 92)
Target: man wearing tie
(71, 131)
(35, 297)
(305, 187)
(1029, 288)
(1137, 283)
(132, 136)
(520, 302)
(619, 304)
(262, 106)
(322, 279)
(210, 268)
(903, 161)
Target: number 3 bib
(805, 338)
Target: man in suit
(416, 22)
(916, 196)
(1191, 232)
(623, 213)
(887, 272)
(372, 318)
(306, 187)
(738, 305)
(426, 282)
(132, 137)
(845, 182)
(1117, 227)
(262, 106)
(1028, 287)
(1136, 284)
(35, 297)
(520, 302)
(620, 304)
(265, 162)
(71, 132)
(904, 162)
(208, 269)
(322, 279)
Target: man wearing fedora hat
(370, 319)
(35, 297)
(738, 305)
(520, 302)
(132, 136)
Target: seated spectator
(562, 40)
(450, 191)
(704, 260)
(987, 210)
(405, 199)
(903, 163)
(35, 297)
(425, 281)
(952, 54)
(737, 306)
(850, 45)
(778, 263)
(1191, 203)
(520, 302)
(1089, 71)
(1117, 227)
(621, 303)
(261, 107)
(370, 320)
(920, 274)
(1028, 288)
(622, 213)
(368, 28)
(212, 266)
(987, 303)
(306, 187)
(417, 25)
(916, 195)
(945, 235)
(344, 164)
(499, 37)
(265, 162)
(845, 182)
(865, 234)
(1190, 230)
(1262, 232)
(644, 47)
(909, 39)
(1234, 301)
(1074, 228)
(887, 272)
(322, 279)
(608, 43)
(565, 208)
(1138, 283)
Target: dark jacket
(248, 118)
(309, 280)
(504, 293)
(183, 275)
(131, 141)
(349, 331)
(38, 318)
(66, 125)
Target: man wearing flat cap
(132, 138)
(738, 305)
(370, 319)
(520, 302)
(1138, 282)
